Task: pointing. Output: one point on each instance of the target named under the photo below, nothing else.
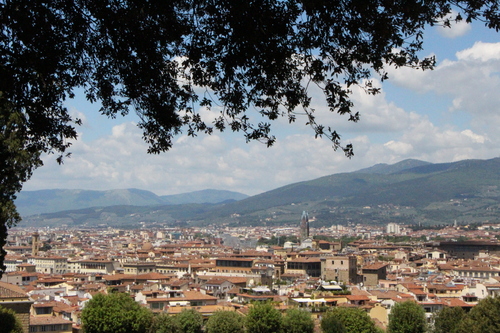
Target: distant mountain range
(50, 201)
(409, 192)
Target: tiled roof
(8, 290)
(46, 320)
(375, 266)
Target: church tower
(304, 226)
(35, 243)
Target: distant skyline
(450, 113)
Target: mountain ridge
(409, 192)
(55, 200)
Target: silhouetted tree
(9, 323)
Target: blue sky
(443, 115)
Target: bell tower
(35, 243)
(304, 226)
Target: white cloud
(400, 148)
(387, 133)
(119, 160)
(476, 138)
(456, 29)
(471, 81)
(480, 52)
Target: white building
(393, 228)
(92, 266)
(49, 265)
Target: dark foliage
(10, 323)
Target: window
(44, 310)
(157, 306)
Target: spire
(305, 216)
(304, 226)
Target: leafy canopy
(298, 321)
(190, 321)
(407, 317)
(19, 156)
(162, 58)
(263, 317)
(9, 320)
(348, 320)
(115, 313)
(165, 323)
(331, 324)
(225, 322)
(484, 317)
(447, 319)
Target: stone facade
(13, 297)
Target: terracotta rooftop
(43, 320)
(8, 290)
(377, 265)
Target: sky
(447, 114)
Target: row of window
(478, 274)
(233, 263)
(300, 265)
(50, 328)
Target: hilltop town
(52, 273)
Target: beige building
(308, 265)
(49, 265)
(234, 265)
(14, 298)
(43, 319)
(139, 267)
(339, 268)
(380, 313)
(91, 266)
(373, 273)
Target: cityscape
(249, 166)
(52, 273)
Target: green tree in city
(263, 317)
(348, 320)
(190, 321)
(332, 324)
(9, 323)
(407, 317)
(225, 322)
(115, 313)
(447, 319)
(298, 321)
(468, 325)
(165, 323)
(484, 317)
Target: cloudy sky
(447, 114)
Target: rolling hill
(50, 201)
(410, 191)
